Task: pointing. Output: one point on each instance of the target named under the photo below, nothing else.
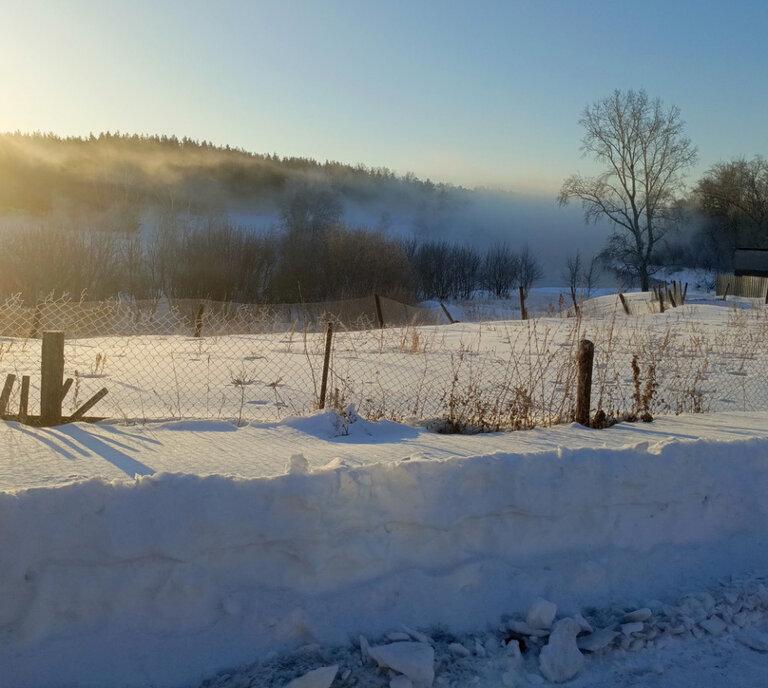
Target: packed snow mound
(168, 578)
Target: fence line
(749, 286)
(249, 365)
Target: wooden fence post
(24, 399)
(447, 314)
(36, 319)
(670, 295)
(379, 315)
(326, 364)
(576, 308)
(685, 292)
(661, 300)
(725, 293)
(199, 320)
(523, 312)
(6, 393)
(584, 388)
(624, 303)
(51, 378)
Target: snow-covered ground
(234, 545)
(332, 551)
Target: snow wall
(168, 579)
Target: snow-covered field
(207, 552)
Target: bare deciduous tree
(733, 197)
(646, 155)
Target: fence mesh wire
(203, 360)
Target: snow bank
(167, 579)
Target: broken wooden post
(87, 406)
(584, 388)
(379, 315)
(624, 303)
(5, 395)
(51, 376)
(523, 312)
(326, 364)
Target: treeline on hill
(43, 174)
(310, 262)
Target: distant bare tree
(501, 269)
(733, 197)
(530, 270)
(645, 155)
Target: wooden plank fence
(743, 285)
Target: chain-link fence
(251, 363)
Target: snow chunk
(298, 464)
(560, 658)
(541, 614)
(632, 627)
(318, 678)
(596, 641)
(638, 615)
(459, 649)
(586, 627)
(714, 625)
(415, 660)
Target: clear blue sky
(481, 92)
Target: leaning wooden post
(624, 303)
(576, 309)
(326, 364)
(523, 312)
(6, 393)
(447, 314)
(379, 314)
(725, 293)
(584, 388)
(661, 300)
(51, 378)
(685, 292)
(671, 296)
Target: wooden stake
(36, 318)
(584, 389)
(88, 405)
(51, 375)
(670, 297)
(326, 364)
(685, 292)
(447, 314)
(624, 303)
(379, 315)
(199, 320)
(727, 287)
(6, 393)
(24, 400)
(575, 305)
(661, 300)
(523, 313)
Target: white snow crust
(168, 578)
